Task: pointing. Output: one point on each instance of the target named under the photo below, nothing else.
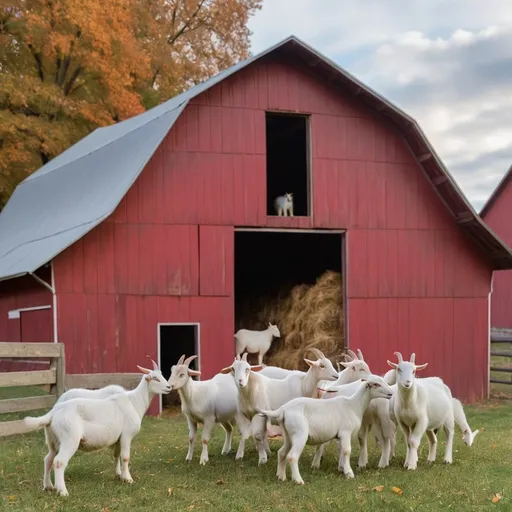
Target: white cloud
(448, 63)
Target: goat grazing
(90, 424)
(255, 341)
(311, 421)
(207, 402)
(284, 205)
(421, 406)
(258, 392)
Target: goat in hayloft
(255, 341)
(258, 392)
(421, 406)
(208, 402)
(312, 421)
(90, 424)
(283, 205)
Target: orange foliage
(70, 66)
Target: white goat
(255, 341)
(104, 392)
(90, 424)
(354, 368)
(421, 406)
(375, 418)
(310, 421)
(276, 372)
(257, 392)
(284, 205)
(207, 402)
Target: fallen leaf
(169, 491)
(190, 507)
(379, 488)
(11, 498)
(397, 490)
(220, 482)
(493, 446)
(497, 497)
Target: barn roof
(497, 193)
(70, 195)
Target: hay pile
(307, 316)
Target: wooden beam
(29, 349)
(439, 180)
(27, 404)
(424, 157)
(99, 380)
(32, 378)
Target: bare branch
(185, 28)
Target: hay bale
(307, 316)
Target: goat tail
(390, 377)
(460, 418)
(34, 422)
(277, 415)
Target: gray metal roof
(65, 199)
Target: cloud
(447, 63)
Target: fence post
(59, 364)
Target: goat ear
(193, 373)
(345, 365)
(143, 370)
(309, 362)
(257, 368)
(225, 370)
(364, 380)
(393, 365)
(421, 367)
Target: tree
(70, 66)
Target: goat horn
(399, 357)
(244, 356)
(412, 358)
(360, 355)
(316, 351)
(155, 366)
(345, 357)
(189, 360)
(181, 359)
(351, 354)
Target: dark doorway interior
(287, 160)
(176, 340)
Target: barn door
(36, 326)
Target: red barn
(138, 239)
(497, 213)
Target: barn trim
(496, 193)
(73, 193)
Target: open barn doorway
(292, 278)
(173, 341)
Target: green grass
(165, 482)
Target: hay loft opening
(288, 160)
(294, 280)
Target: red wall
(32, 326)
(166, 254)
(498, 218)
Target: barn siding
(498, 218)
(32, 326)
(412, 277)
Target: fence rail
(54, 376)
(501, 339)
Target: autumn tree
(70, 66)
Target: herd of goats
(312, 407)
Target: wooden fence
(501, 339)
(55, 377)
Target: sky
(447, 63)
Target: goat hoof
(49, 488)
(128, 480)
(299, 482)
(363, 466)
(63, 492)
(447, 461)
(350, 475)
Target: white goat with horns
(421, 406)
(208, 402)
(90, 424)
(258, 392)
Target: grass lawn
(165, 482)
